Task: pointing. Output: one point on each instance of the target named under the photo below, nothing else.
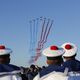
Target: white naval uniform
(9, 72)
(59, 76)
(15, 75)
(52, 76)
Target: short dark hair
(3, 56)
(58, 58)
(54, 58)
(70, 56)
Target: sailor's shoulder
(14, 66)
(4, 68)
(71, 62)
(50, 69)
(9, 72)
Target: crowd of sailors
(60, 59)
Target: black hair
(59, 59)
(4, 56)
(70, 56)
(5, 59)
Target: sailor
(69, 56)
(7, 70)
(54, 61)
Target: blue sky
(14, 25)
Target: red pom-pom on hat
(68, 47)
(2, 47)
(54, 48)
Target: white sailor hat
(53, 51)
(70, 49)
(4, 50)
